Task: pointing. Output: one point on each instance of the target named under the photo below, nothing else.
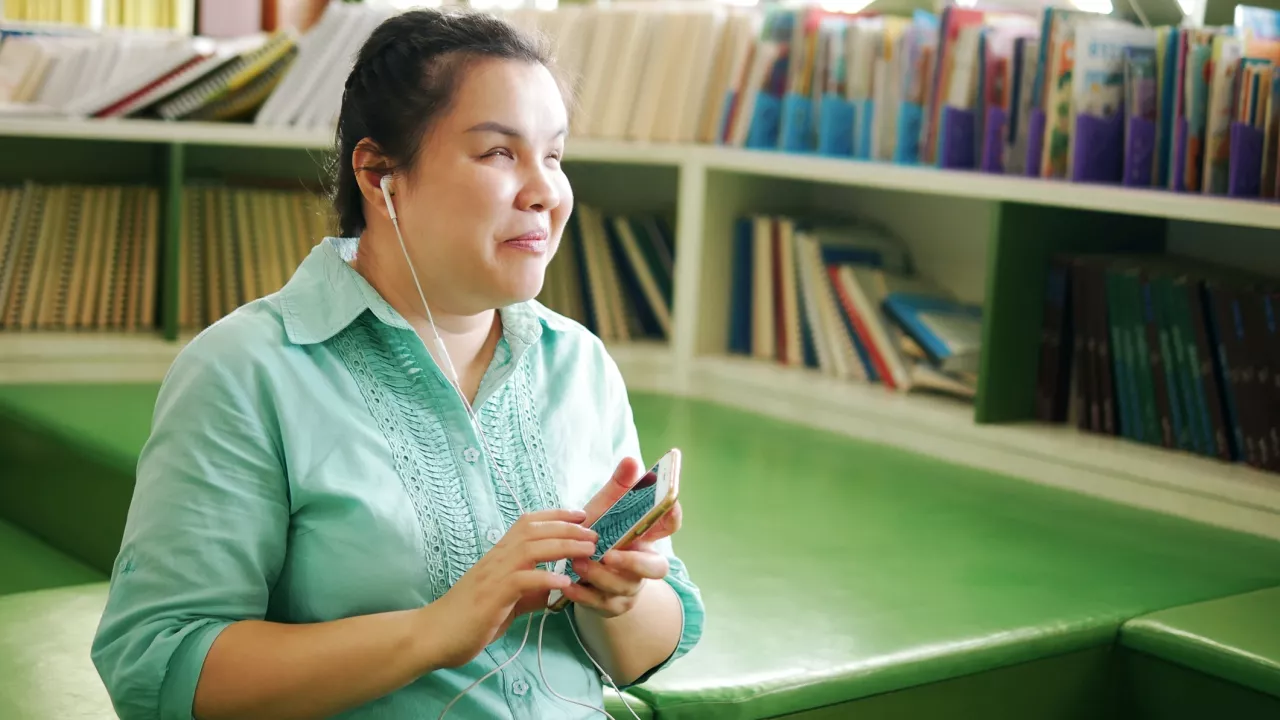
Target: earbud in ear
(386, 195)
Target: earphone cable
(457, 387)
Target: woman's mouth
(533, 242)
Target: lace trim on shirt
(511, 424)
(400, 398)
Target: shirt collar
(326, 294)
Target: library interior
(966, 401)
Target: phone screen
(630, 509)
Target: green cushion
(26, 563)
(109, 420)
(834, 570)
(45, 670)
(69, 493)
(1235, 638)
(1151, 688)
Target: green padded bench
(846, 579)
(26, 563)
(45, 669)
(1219, 658)
(67, 459)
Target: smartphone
(651, 498)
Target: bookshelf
(701, 158)
(986, 231)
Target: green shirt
(308, 461)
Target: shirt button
(494, 536)
(519, 687)
(471, 455)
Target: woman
(317, 527)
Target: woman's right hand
(505, 583)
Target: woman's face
(486, 202)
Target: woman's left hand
(612, 586)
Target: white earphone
(385, 184)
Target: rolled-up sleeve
(627, 444)
(205, 535)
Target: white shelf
(161, 131)
(1007, 188)
(1172, 482)
(836, 171)
(104, 357)
(1177, 483)
(245, 135)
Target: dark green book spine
(1180, 403)
(1122, 354)
(1141, 366)
(1182, 338)
(1158, 364)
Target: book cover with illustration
(1223, 67)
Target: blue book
(740, 303)
(949, 332)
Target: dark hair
(403, 79)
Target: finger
(667, 526)
(552, 515)
(558, 529)
(553, 549)
(531, 582)
(638, 563)
(530, 602)
(608, 580)
(588, 597)
(628, 473)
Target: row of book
(614, 274)
(1063, 94)
(611, 273)
(238, 244)
(1164, 351)
(168, 76)
(78, 257)
(213, 18)
(844, 299)
(174, 14)
(87, 257)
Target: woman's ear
(369, 165)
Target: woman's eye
(501, 152)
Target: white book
(317, 55)
(599, 66)
(845, 362)
(19, 58)
(632, 59)
(710, 32)
(739, 47)
(790, 309)
(321, 112)
(809, 290)
(138, 66)
(655, 99)
(762, 60)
